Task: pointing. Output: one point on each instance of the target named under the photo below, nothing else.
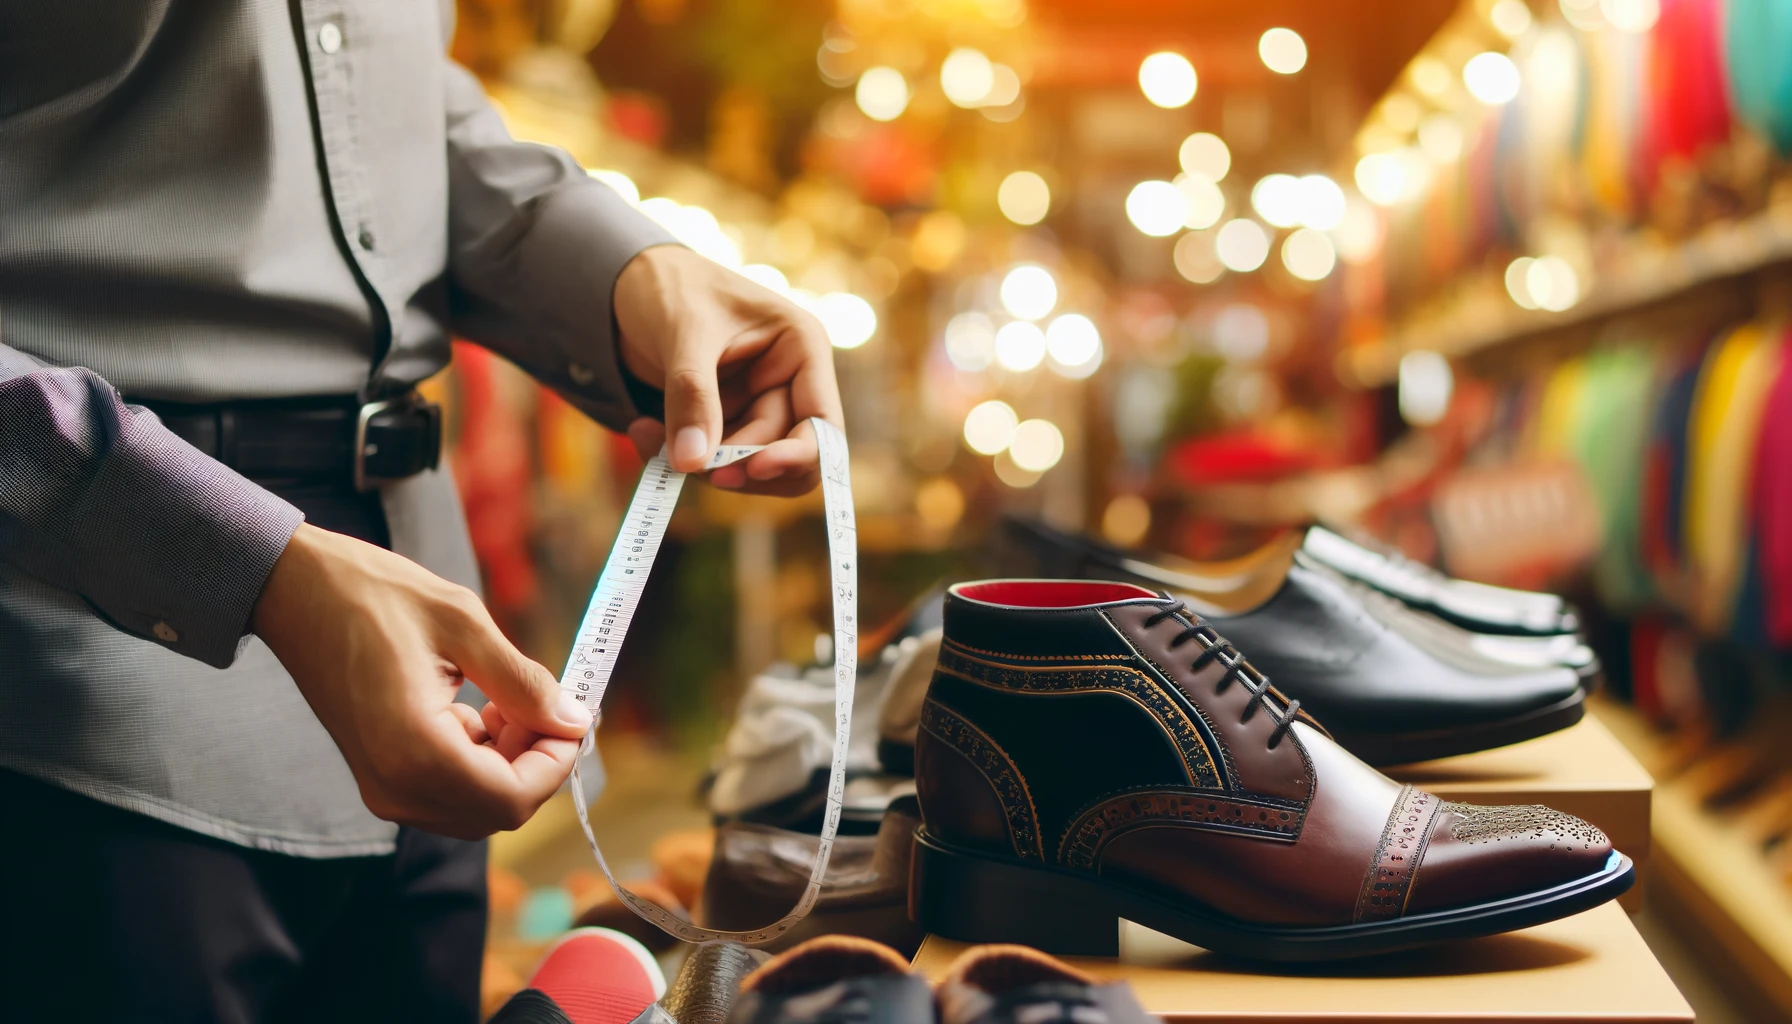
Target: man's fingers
(471, 721)
(648, 436)
(526, 693)
(693, 406)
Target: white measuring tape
(613, 606)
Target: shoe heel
(970, 898)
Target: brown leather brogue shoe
(1093, 751)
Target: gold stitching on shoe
(1388, 885)
(1095, 827)
(1197, 759)
(997, 768)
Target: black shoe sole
(976, 898)
(1406, 748)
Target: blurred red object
(1235, 458)
(491, 464)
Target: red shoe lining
(1050, 593)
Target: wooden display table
(1583, 770)
(1592, 967)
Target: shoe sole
(977, 898)
(1409, 747)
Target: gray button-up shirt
(226, 199)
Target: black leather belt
(313, 439)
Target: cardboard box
(1592, 967)
(1583, 770)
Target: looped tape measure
(613, 606)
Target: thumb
(693, 407)
(526, 692)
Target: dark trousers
(110, 916)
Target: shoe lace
(1218, 649)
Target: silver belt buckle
(367, 413)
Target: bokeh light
(622, 183)
(1636, 16)
(1308, 254)
(1167, 79)
(971, 341)
(967, 77)
(1283, 51)
(1511, 18)
(1321, 202)
(1426, 383)
(1126, 521)
(989, 426)
(1020, 346)
(1382, 178)
(849, 320)
(1206, 203)
(1195, 259)
(1158, 208)
(1553, 284)
(1024, 198)
(1074, 345)
(882, 93)
(1441, 138)
(1029, 291)
(1432, 76)
(939, 503)
(1277, 199)
(1358, 235)
(1491, 78)
(1205, 153)
(1518, 284)
(1242, 245)
(767, 275)
(1036, 445)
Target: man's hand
(378, 645)
(738, 363)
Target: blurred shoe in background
(1004, 984)
(835, 979)
(590, 976)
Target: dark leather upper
(1084, 737)
(1317, 643)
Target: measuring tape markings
(612, 609)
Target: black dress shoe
(1004, 984)
(1390, 692)
(1091, 751)
(1470, 605)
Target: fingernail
(690, 445)
(569, 710)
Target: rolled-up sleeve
(535, 248)
(99, 498)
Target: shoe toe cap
(1480, 854)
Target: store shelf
(1713, 875)
(1480, 316)
(1590, 967)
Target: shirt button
(164, 632)
(580, 373)
(329, 37)
(365, 238)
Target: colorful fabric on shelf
(1772, 508)
(1615, 75)
(1621, 383)
(1758, 37)
(1664, 476)
(1725, 424)
(1688, 102)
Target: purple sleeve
(99, 498)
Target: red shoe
(588, 976)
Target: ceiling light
(1074, 345)
(1511, 18)
(1382, 178)
(1036, 446)
(1321, 202)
